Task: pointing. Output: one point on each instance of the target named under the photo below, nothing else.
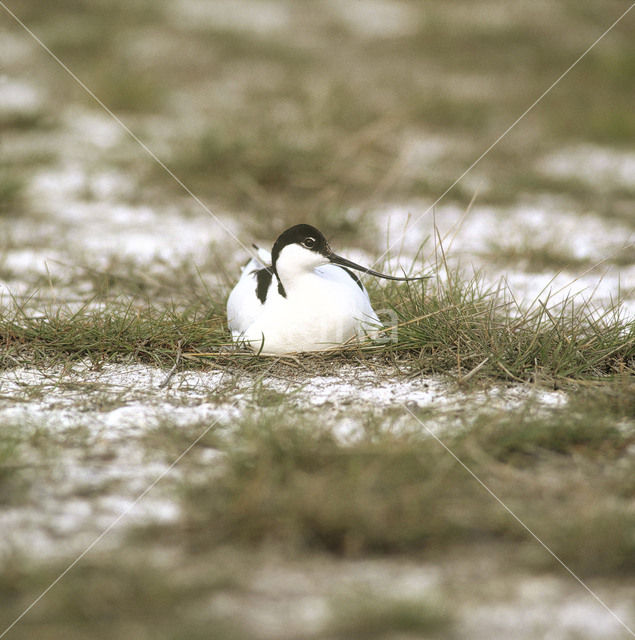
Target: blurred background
(278, 111)
(355, 116)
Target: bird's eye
(309, 242)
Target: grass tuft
(467, 328)
(108, 599)
(590, 425)
(11, 190)
(367, 615)
(455, 326)
(123, 331)
(12, 485)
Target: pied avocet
(301, 297)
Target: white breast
(322, 309)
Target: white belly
(318, 313)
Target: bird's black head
(310, 239)
(304, 235)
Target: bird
(301, 297)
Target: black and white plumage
(301, 297)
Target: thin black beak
(335, 259)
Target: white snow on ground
(601, 167)
(13, 48)
(265, 18)
(113, 407)
(55, 522)
(106, 228)
(525, 607)
(56, 188)
(96, 128)
(18, 97)
(116, 405)
(93, 233)
(380, 19)
(370, 388)
(468, 238)
(596, 293)
(558, 616)
(138, 400)
(468, 234)
(65, 397)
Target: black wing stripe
(354, 276)
(263, 282)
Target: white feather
(243, 305)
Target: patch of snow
(424, 151)
(19, 97)
(343, 398)
(107, 227)
(154, 510)
(581, 619)
(377, 18)
(61, 526)
(543, 223)
(135, 389)
(594, 293)
(111, 185)
(599, 166)
(58, 185)
(29, 262)
(546, 607)
(263, 17)
(469, 238)
(95, 127)
(14, 48)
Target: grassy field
(351, 494)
